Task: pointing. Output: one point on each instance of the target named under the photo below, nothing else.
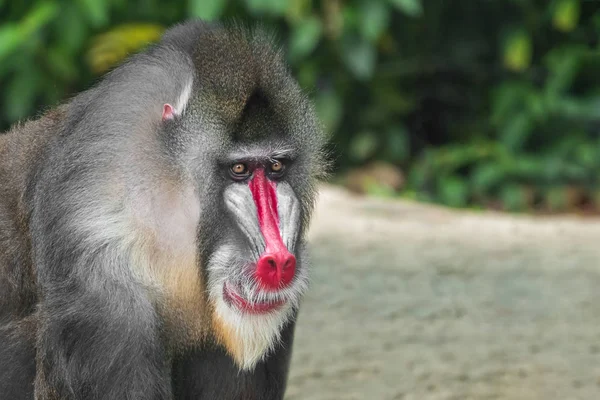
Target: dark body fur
(78, 318)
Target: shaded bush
(485, 103)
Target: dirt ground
(410, 301)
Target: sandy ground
(410, 301)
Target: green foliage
(480, 103)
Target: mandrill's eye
(276, 167)
(239, 171)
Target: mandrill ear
(168, 112)
(171, 111)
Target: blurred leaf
(272, 7)
(112, 47)
(71, 29)
(587, 156)
(61, 64)
(508, 98)
(41, 14)
(516, 131)
(527, 167)
(329, 108)
(518, 51)
(557, 199)
(10, 39)
(487, 176)
(307, 74)
(14, 35)
(298, 10)
(453, 191)
(411, 8)
(374, 19)
(420, 173)
(563, 65)
(566, 15)
(206, 9)
(305, 37)
(364, 146)
(553, 169)
(515, 197)
(96, 11)
(391, 99)
(19, 97)
(359, 56)
(375, 189)
(397, 145)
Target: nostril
(290, 262)
(275, 270)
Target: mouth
(234, 299)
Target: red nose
(275, 270)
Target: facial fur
(256, 116)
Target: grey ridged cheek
(240, 204)
(288, 208)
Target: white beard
(255, 334)
(250, 337)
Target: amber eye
(239, 169)
(276, 166)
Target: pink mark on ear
(168, 112)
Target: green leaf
(272, 7)
(329, 109)
(563, 65)
(364, 146)
(518, 50)
(376, 189)
(486, 177)
(516, 131)
(514, 197)
(20, 94)
(96, 11)
(41, 15)
(298, 10)
(566, 15)
(557, 198)
(412, 8)
(507, 99)
(110, 48)
(527, 167)
(72, 30)
(305, 37)
(206, 9)
(307, 74)
(453, 191)
(12, 36)
(359, 56)
(586, 155)
(553, 169)
(398, 146)
(61, 65)
(10, 39)
(374, 19)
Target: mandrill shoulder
(21, 150)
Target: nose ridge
(275, 270)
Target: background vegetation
(479, 103)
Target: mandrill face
(256, 203)
(251, 144)
(256, 276)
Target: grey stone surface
(411, 301)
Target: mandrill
(152, 228)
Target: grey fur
(75, 186)
(240, 203)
